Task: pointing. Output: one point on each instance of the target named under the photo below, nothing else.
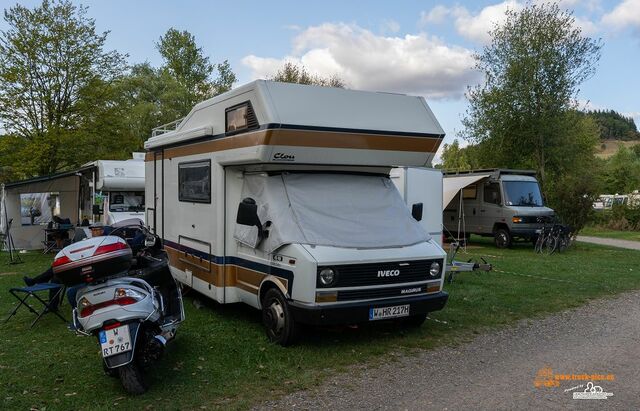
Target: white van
(278, 196)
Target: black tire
(502, 238)
(111, 372)
(415, 321)
(277, 318)
(132, 379)
(550, 244)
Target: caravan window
(492, 193)
(194, 182)
(470, 192)
(240, 117)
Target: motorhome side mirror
(96, 209)
(416, 211)
(248, 213)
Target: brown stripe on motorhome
(305, 138)
(234, 276)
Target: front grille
(375, 293)
(355, 275)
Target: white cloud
(435, 15)
(625, 14)
(476, 27)
(416, 64)
(390, 26)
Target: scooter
(126, 297)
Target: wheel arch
(268, 283)
(499, 225)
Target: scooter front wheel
(132, 379)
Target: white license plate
(115, 341)
(388, 312)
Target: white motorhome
(120, 185)
(278, 195)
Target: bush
(572, 196)
(620, 218)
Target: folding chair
(58, 293)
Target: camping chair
(56, 293)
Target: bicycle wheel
(563, 243)
(550, 244)
(539, 242)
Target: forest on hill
(614, 126)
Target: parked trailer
(278, 196)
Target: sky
(405, 46)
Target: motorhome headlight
(516, 219)
(434, 270)
(328, 277)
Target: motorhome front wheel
(277, 319)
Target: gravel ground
(497, 370)
(614, 242)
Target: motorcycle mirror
(149, 241)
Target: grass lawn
(221, 359)
(607, 233)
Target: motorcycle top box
(93, 259)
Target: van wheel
(502, 238)
(277, 319)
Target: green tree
(454, 158)
(294, 73)
(533, 67)
(51, 58)
(622, 172)
(188, 65)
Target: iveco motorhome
(278, 195)
(505, 204)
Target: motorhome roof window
(523, 193)
(240, 117)
(194, 181)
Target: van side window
(470, 192)
(492, 193)
(194, 182)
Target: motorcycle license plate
(115, 341)
(388, 312)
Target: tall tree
(51, 57)
(454, 157)
(533, 68)
(189, 66)
(294, 73)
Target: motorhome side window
(194, 182)
(470, 192)
(492, 193)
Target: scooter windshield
(339, 210)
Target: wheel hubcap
(275, 317)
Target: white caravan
(278, 195)
(121, 186)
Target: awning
(452, 186)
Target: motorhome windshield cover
(339, 210)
